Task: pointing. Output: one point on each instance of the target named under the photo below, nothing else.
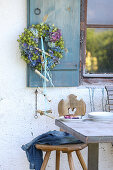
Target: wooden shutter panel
(66, 16)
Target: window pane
(100, 12)
(99, 51)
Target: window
(97, 39)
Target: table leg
(93, 150)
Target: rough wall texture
(17, 103)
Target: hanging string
(45, 68)
(46, 73)
(36, 93)
(44, 62)
(91, 97)
(103, 99)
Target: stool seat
(64, 147)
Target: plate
(70, 120)
(101, 115)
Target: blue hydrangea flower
(51, 44)
(34, 31)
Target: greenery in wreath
(29, 44)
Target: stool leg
(46, 158)
(70, 160)
(57, 160)
(79, 155)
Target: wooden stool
(63, 108)
(65, 149)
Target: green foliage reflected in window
(99, 51)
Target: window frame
(89, 78)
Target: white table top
(89, 131)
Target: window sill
(101, 81)
(98, 75)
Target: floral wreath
(29, 44)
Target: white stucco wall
(17, 102)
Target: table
(90, 132)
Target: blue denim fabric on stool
(35, 156)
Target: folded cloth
(35, 156)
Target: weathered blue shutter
(64, 14)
